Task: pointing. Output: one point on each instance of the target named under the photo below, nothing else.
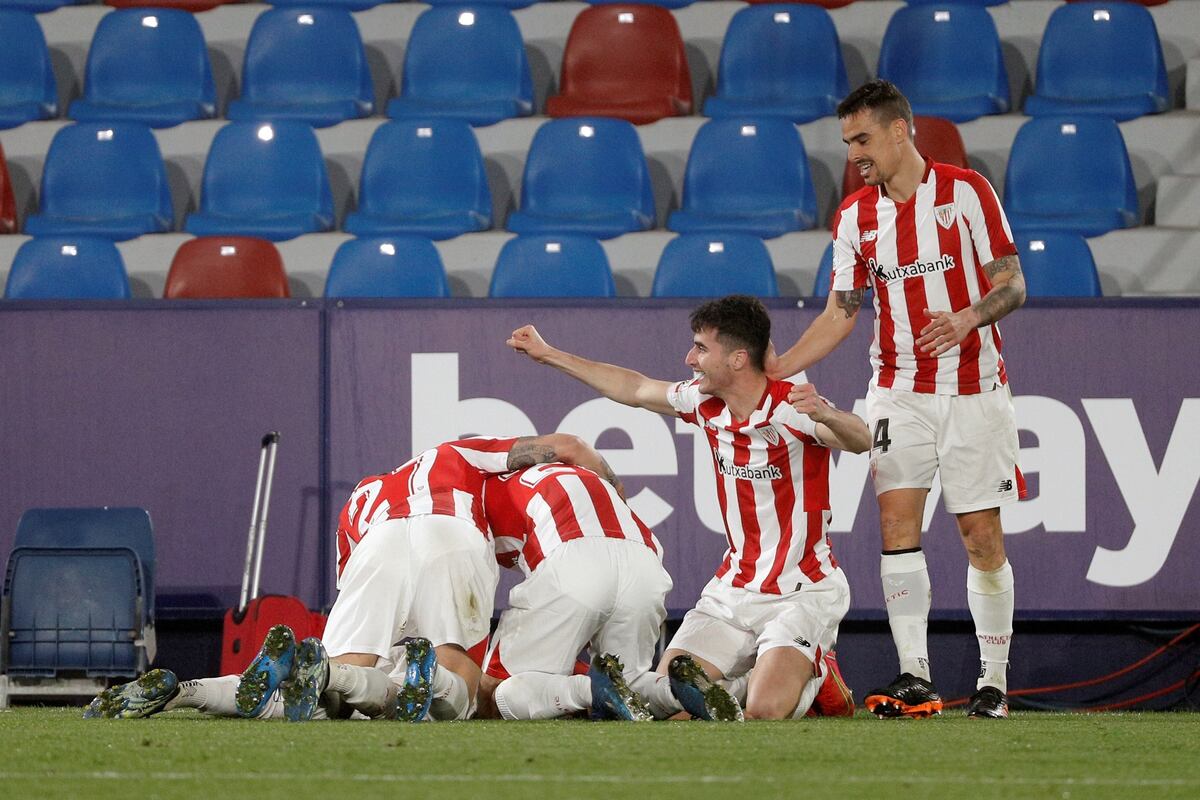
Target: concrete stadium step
(1177, 201)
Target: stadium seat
(1100, 58)
(626, 61)
(467, 63)
(746, 176)
(822, 3)
(586, 176)
(934, 137)
(425, 178)
(947, 61)
(224, 268)
(182, 5)
(149, 67)
(510, 4)
(824, 280)
(663, 3)
(307, 65)
(28, 90)
(779, 60)
(8, 202)
(103, 179)
(349, 5)
(1070, 174)
(960, 2)
(67, 268)
(266, 180)
(552, 266)
(40, 6)
(697, 265)
(1057, 265)
(387, 266)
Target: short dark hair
(883, 99)
(741, 321)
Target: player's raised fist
(805, 398)
(527, 340)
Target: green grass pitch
(47, 753)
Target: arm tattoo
(850, 301)
(525, 453)
(1002, 264)
(1004, 297)
(607, 472)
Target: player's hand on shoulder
(805, 398)
(527, 340)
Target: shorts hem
(926, 487)
(982, 505)
(371, 650)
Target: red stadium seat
(226, 267)
(936, 138)
(182, 5)
(625, 61)
(8, 204)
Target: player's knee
(769, 708)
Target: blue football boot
(700, 696)
(147, 695)
(270, 668)
(414, 698)
(612, 697)
(310, 675)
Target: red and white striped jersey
(772, 487)
(447, 480)
(926, 253)
(534, 511)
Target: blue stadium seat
(387, 266)
(959, 2)
(1100, 58)
(307, 65)
(148, 66)
(349, 5)
(510, 4)
(585, 175)
(1070, 174)
(947, 61)
(425, 178)
(780, 60)
(746, 176)
(465, 62)
(266, 180)
(28, 90)
(67, 268)
(552, 266)
(1057, 265)
(696, 265)
(39, 6)
(824, 280)
(103, 179)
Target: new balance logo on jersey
(1005, 486)
(748, 473)
(914, 270)
(868, 236)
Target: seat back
(942, 55)
(263, 168)
(1057, 265)
(221, 267)
(67, 267)
(95, 170)
(150, 57)
(8, 202)
(934, 137)
(781, 52)
(463, 53)
(824, 281)
(584, 166)
(417, 168)
(27, 86)
(1062, 166)
(183, 5)
(742, 166)
(387, 266)
(306, 55)
(552, 266)
(698, 265)
(1099, 51)
(625, 55)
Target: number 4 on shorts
(881, 441)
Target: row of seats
(623, 60)
(691, 265)
(582, 176)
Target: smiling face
(876, 149)
(712, 363)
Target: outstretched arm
(946, 329)
(530, 450)
(824, 334)
(842, 430)
(616, 383)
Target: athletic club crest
(771, 435)
(944, 215)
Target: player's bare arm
(946, 329)
(530, 450)
(824, 334)
(841, 430)
(625, 386)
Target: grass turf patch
(55, 753)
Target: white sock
(365, 689)
(907, 596)
(657, 691)
(216, 696)
(539, 695)
(450, 700)
(739, 687)
(990, 598)
(807, 695)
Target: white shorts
(606, 593)
(971, 439)
(731, 627)
(432, 576)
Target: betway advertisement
(1107, 400)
